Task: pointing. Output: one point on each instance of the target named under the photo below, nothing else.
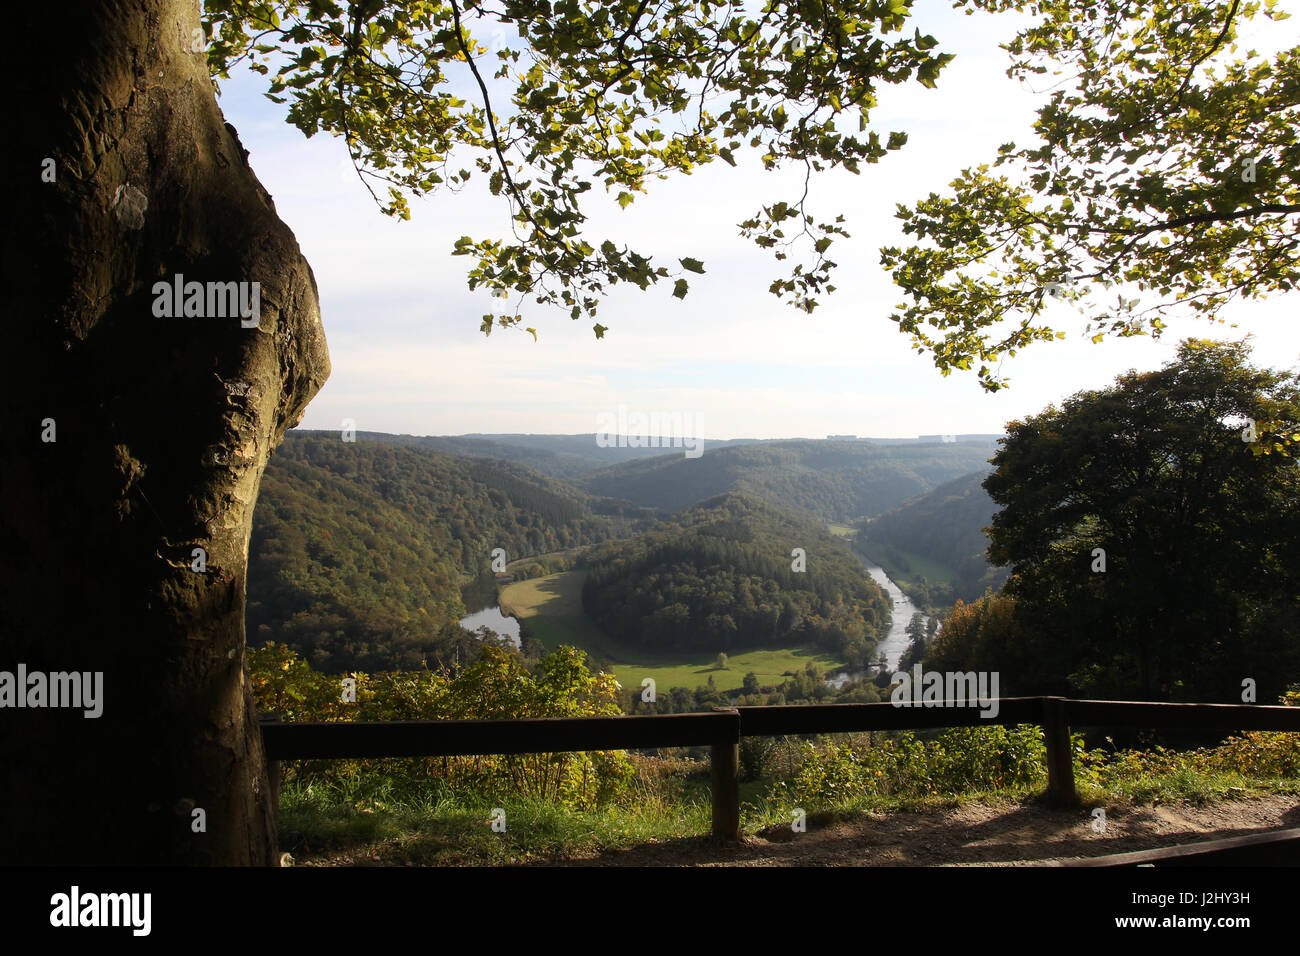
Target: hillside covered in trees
(359, 550)
(559, 456)
(944, 525)
(721, 576)
(1152, 530)
(833, 481)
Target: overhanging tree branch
(492, 127)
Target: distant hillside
(719, 577)
(831, 480)
(943, 526)
(571, 456)
(559, 456)
(359, 549)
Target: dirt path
(976, 834)
(973, 835)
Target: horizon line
(958, 436)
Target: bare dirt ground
(975, 834)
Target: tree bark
(161, 426)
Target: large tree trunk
(162, 428)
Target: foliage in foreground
(957, 761)
(970, 761)
(566, 805)
(1160, 774)
(496, 685)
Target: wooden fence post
(726, 780)
(1060, 760)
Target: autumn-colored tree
(986, 636)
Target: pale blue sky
(403, 328)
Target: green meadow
(552, 606)
(904, 567)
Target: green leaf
(679, 289)
(692, 265)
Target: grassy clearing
(918, 566)
(555, 595)
(564, 553)
(552, 605)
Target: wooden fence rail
(723, 728)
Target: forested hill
(834, 481)
(563, 461)
(944, 525)
(559, 456)
(719, 577)
(359, 549)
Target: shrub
(494, 686)
(957, 761)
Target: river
(492, 618)
(896, 641)
(893, 646)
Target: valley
(551, 608)
(375, 554)
(761, 574)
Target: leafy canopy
(1167, 170)
(577, 93)
(1152, 552)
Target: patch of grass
(905, 567)
(378, 820)
(1183, 784)
(770, 809)
(372, 821)
(553, 607)
(565, 554)
(555, 595)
